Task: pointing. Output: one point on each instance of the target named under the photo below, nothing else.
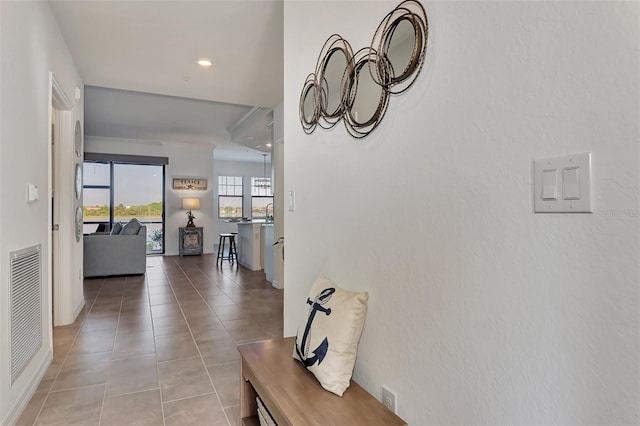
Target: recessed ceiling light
(268, 145)
(204, 62)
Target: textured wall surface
(481, 312)
(31, 48)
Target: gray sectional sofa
(121, 252)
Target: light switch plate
(33, 193)
(550, 184)
(572, 192)
(292, 201)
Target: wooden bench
(293, 396)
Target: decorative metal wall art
(78, 139)
(333, 72)
(309, 106)
(401, 39)
(323, 96)
(367, 101)
(77, 180)
(78, 223)
(356, 88)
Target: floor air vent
(26, 311)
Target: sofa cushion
(117, 227)
(106, 255)
(327, 339)
(131, 228)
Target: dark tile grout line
(106, 384)
(68, 351)
(213, 386)
(171, 273)
(155, 347)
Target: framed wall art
(190, 184)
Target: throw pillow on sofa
(131, 228)
(117, 227)
(327, 339)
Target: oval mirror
(367, 100)
(78, 181)
(78, 223)
(331, 80)
(401, 49)
(401, 40)
(78, 139)
(309, 105)
(308, 108)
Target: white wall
(279, 197)
(31, 47)
(185, 160)
(480, 311)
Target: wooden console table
(190, 241)
(293, 396)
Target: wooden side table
(191, 241)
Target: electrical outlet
(389, 399)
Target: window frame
(255, 189)
(226, 185)
(114, 159)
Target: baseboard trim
(78, 309)
(14, 413)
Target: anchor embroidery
(321, 351)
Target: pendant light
(263, 182)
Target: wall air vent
(26, 307)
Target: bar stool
(233, 252)
(235, 244)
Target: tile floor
(158, 349)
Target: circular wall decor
(333, 71)
(401, 41)
(78, 139)
(356, 88)
(324, 93)
(309, 108)
(78, 223)
(78, 181)
(367, 101)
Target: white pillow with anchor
(327, 339)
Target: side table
(190, 241)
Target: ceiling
(137, 60)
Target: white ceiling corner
(143, 49)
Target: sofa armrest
(115, 254)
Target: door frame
(59, 283)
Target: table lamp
(190, 204)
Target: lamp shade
(191, 203)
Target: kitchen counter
(268, 238)
(249, 222)
(250, 244)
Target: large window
(96, 195)
(229, 197)
(261, 196)
(117, 192)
